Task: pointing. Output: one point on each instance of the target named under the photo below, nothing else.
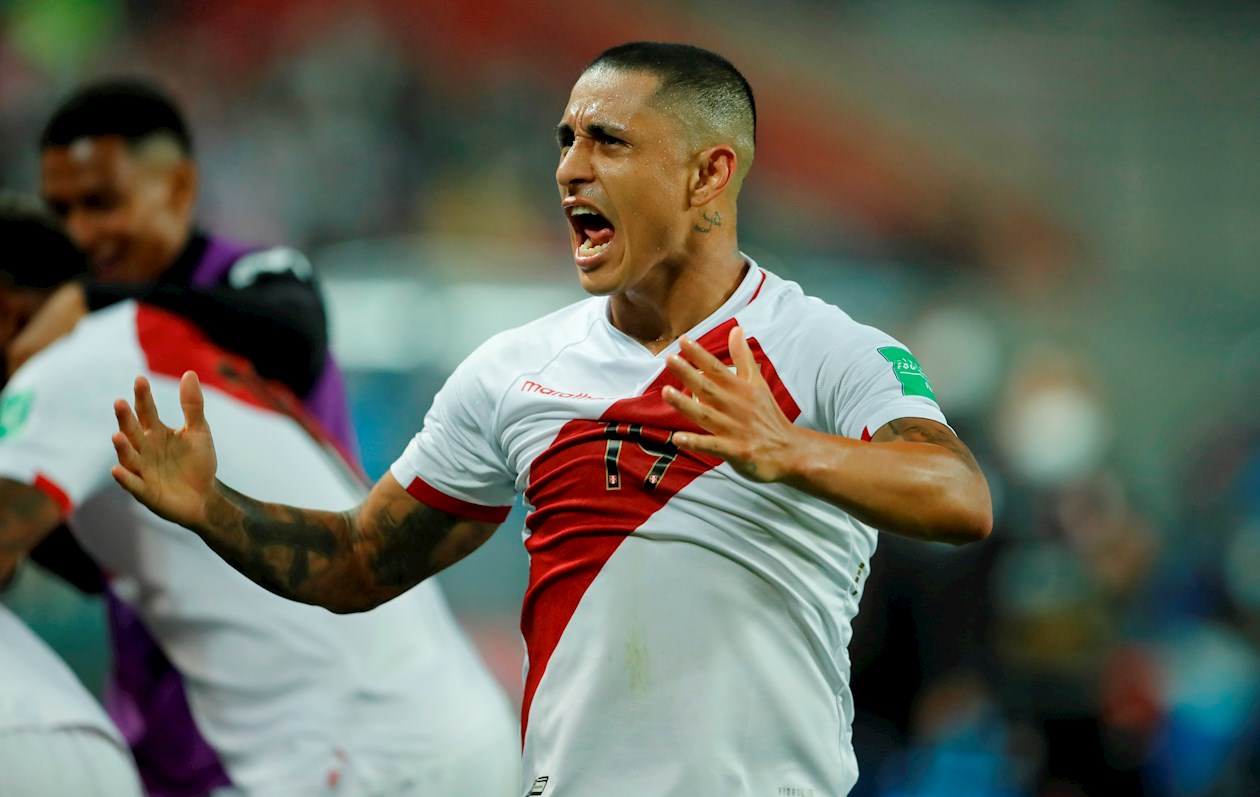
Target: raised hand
(171, 472)
(747, 428)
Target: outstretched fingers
(146, 410)
(128, 424)
(128, 441)
(742, 355)
(703, 360)
(127, 480)
(701, 443)
(192, 400)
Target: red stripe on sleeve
(50, 488)
(431, 496)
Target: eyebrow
(565, 132)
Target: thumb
(192, 401)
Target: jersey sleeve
(56, 420)
(455, 463)
(872, 380)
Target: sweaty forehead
(610, 97)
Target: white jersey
(37, 689)
(686, 628)
(266, 677)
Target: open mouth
(593, 230)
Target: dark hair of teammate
(36, 252)
(131, 108)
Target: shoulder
(82, 372)
(785, 318)
(530, 346)
(99, 342)
(255, 263)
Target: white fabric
(708, 653)
(268, 680)
(65, 762)
(487, 765)
(37, 689)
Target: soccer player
(706, 455)
(117, 165)
(54, 739)
(294, 700)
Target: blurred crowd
(1091, 647)
(1095, 645)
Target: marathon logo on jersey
(908, 372)
(530, 386)
(14, 410)
(539, 785)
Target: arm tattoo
(26, 515)
(413, 544)
(915, 431)
(273, 545)
(335, 559)
(714, 221)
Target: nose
(575, 165)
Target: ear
(184, 186)
(714, 169)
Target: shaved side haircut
(133, 109)
(710, 95)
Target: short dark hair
(132, 108)
(705, 79)
(34, 250)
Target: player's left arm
(27, 515)
(915, 478)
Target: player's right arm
(344, 561)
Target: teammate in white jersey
(55, 741)
(295, 700)
(706, 455)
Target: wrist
(796, 455)
(810, 457)
(217, 510)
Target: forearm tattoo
(26, 514)
(312, 556)
(273, 545)
(913, 431)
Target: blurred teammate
(706, 454)
(54, 739)
(117, 166)
(294, 700)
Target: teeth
(587, 249)
(582, 210)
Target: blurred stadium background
(1055, 204)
